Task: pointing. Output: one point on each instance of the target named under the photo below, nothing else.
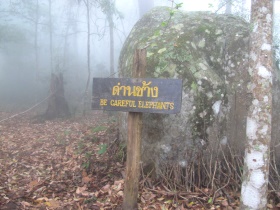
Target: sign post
(136, 95)
(134, 135)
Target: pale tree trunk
(51, 35)
(36, 23)
(109, 9)
(86, 2)
(228, 7)
(256, 160)
(36, 42)
(243, 8)
(112, 59)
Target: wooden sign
(137, 95)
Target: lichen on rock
(209, 52)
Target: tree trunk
(51, 35)
(57, 105)
(243, 8)
(256, 161)
(36, 42)
(88, 56)
(228, 7)
(112, 59)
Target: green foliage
(86, 164)
(179, 5)
(113, 119)
(102, 149)
(66, 132)
(163, 24)
(98, 129)
(88, 155)
(171, 12)
(194, 86)
(90, 200)
(157, 33)
(121, 152)
(108, 7)
(80, 148)
(95, 139)
(176, 7)
(61, 140)
(210, 6)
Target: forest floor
(78, 163)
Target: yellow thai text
(136, 91)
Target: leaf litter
(78, 163)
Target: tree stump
(57, 104)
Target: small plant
(98, 129)
(88, 155)
(121, 152)
(61, 141)
(80, 147)
(67, 132)
(113, 119)
(102, 149)
(172, 12)
(95, 139)
(90, 200)
(87, 163)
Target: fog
(51, 37)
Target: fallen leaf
(106, 188)
(269, 206)
(120, 193)
(32, 184)
(54, 203)
(224, 203)
(86, 180)
(41, 200)
(80, 190)
(25, 204)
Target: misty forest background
(78, 163)
(38, 38)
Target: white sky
(277, 6)
(189, 5)
(196, 5)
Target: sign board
(137, 95)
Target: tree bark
(258, 131)
(86, 2)
(228, 7)
(36, 41)
(51, 35)
(57, 104)
(112, 59)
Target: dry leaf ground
(78, 163)
(55, 164)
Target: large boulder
(209, 52)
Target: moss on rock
(209, 52)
